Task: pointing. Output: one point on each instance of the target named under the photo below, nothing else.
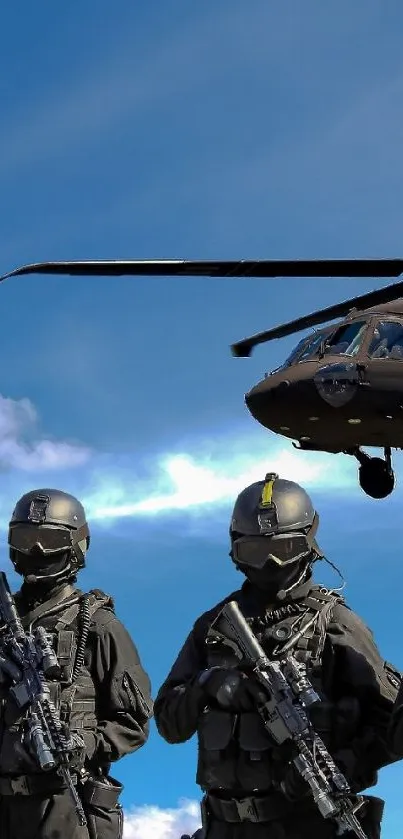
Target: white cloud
(18, 419)
(190, 482)
(205, 478)
(152, 822)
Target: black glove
(10, 670)
(25, 754)
(11, 712)
(77, 751)
(231, 689)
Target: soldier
(103, 693)
(251, 790)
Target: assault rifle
(27, 659)
(289, 693)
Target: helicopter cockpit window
(387, 340)
(311, 347)
(347, 340)
(295, 353)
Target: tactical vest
(235, 751)
(73, 693)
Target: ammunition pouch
(100, 799)
(219, 733)
(253, 737)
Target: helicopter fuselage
(334, 403)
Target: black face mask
(272, 578)
(41, 571)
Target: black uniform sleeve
(180, 699)
(360, 671)
(396, 725)
(124, 704)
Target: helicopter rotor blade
(264, 268)
(243, 349)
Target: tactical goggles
(283, 549)
(25, 537)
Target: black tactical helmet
(273, 507)
(53, 520)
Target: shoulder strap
(311, 636)
(99, 600)
(321, 601)
(95, 599)
(55, 604)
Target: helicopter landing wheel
(376, 476)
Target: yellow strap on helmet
(267, 492)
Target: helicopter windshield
(313, 345)
(347, 340)
(296, 351)
(387, 340)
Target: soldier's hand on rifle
(77, 751)
(9, 670)
(26, 753)
(12, 713)
(230, 688)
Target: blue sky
(188, 130)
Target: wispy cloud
(188, 482)
(200, 48)
(18, 421)
(344, 147)
(152, 822)
(205, 477)
(129, 80)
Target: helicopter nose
(337, 384)
(266, 399)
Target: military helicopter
(342, 386)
